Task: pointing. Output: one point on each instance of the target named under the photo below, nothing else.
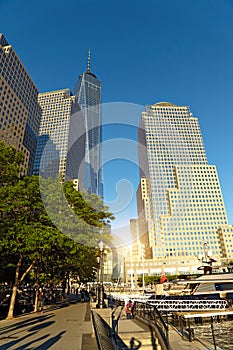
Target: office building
(19, 108)
(61, 140)
(226, 241)
(88, 94)
(180, 202)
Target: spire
(88, 71)
(89, 61)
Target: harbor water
(223, 332)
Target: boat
(212, 286)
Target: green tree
(25, 230)
(35, 214)
(10, 161)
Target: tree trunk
(14, 290)
(36, 301)
(12, 303)
(16, 285)
(36, 286)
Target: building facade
(88, 94)
(19, 109)
(226, 241)
(180, 202)
(60, 147)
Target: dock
(140, 332)
(204, 314)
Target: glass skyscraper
(19, 109)
(88, 94)
(61, 141)
(179, 196)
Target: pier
(141, 332)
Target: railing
(151, 310)
(188, 305)
(152, 314)
(175, 304)
(102, 333)
(106, 336)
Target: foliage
(80, 217)
(148, 280)
(46, 225)
(10, 161)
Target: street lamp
(143, 257)
(131, 263)
(97, 277)
(101, 304)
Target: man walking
(40, 300)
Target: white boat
(205, 286)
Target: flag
(163, 278)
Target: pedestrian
(50, 296)
(82, 293)
(129, 309)
(40, 300)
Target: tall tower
(60, 147)
(179, 195)
(88, 94)
(19, 108)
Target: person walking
(128, 309)
(82, 294)
(40, 300)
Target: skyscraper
(88, 94)
(61, 140)
(179, 196)
(19, 108)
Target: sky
(143, 52)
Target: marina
(201, 306)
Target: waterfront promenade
(61, 328)
(69, 327)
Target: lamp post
(98, 278)
(131, 263)
(101, 304)
(143, 257)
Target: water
(222, 330)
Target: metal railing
(151, 313)
(188, 305)
(102, 333)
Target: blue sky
(143, 52)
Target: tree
(25, 230)
(10, 161)
(80, 216)
(38, 223)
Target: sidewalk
(70, 328)
(60, 328)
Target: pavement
(66, 327)
(69, 327)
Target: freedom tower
(88, 95)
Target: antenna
(89, 61)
